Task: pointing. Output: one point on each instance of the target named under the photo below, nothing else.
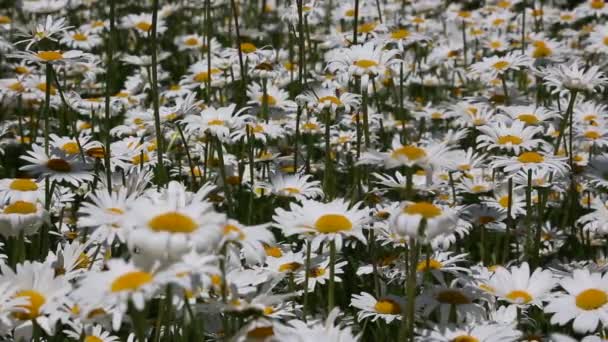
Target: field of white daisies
(303, 170)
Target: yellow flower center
(20, 207)
(400, 34)
(215, 122)
(530, 119)
(501, 65)
(366, 63)
(367, 27)
(172, 222)
(290, 267)
(144, 26)
(597, 4)
(316, 272)
(260, 333)
(248, 48)
(203, 76)
(387, 307)
(4, 20)
(486, 219)
(191, 41)
(509, 139)
(23, 184)
(96, 152)
(452, 297)
(311, 126)
(83, 261)
(541, 49)
(32, 309)
(291, 190)
(274, 252)
(131, 281)
(519, 296)
(333, 223)
(464, 14)
(92, 338)
(140, 158)
(495, 44)
(531, 158)
(17, 87)
(79, 37)
(424, 209)
(58, 165)
(70, 147)
(50, 56)
(410, 152)
(270, 100)
(431, 264)
(331, 99)
(21, 70)
(591, 299)
(592, 135)
(465, 338)
(229, 228)
(504, 201)
(479, 188)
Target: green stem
(161, 172)
(109, 52)
(306, 279)
(332, 274)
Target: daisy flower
(530, 160)
(493, 67)
(250, 240)
(81, 40)
(335, 220)
(22, 217)
(428, 156)
(444, 299)
(329, 98)
(387, 308)
(319, 272)
(517, 286)
(564, 78)
(57, 165)
(486, 332)
(45, 293)
(12, 189)
(515, 137)
(216, 122)
(142, 23)
(530, 115)
(407, 220)
(170, 223)
(298, 186)
(123, 282)
(584, 301)
(54, 57)
(316, 331)
(274, 97)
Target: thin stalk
(220, 156)
(565, 120)
(332, 274)
(306, 279)
(356, 22)
(411, 289)
(110, 56)
(328, 174)
(162, 177)
(235, 14)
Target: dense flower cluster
(303, 170)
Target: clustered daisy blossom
(308, 170)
